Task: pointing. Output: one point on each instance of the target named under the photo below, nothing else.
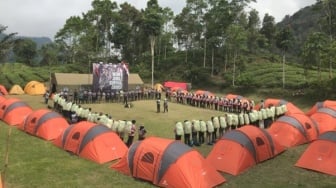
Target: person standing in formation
(178, 131)
(142, 133)
(165, 105)
(158, 101)
(131, 133)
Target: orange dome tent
(35, 88)
(318, 105)
(320, 155)
(291, 108)
(294, 129)
(325, 119)
(13, 111)
(3, 90)
(16, 90)
(242, 148)
(91, 141)
(45, 124)
(168, 163)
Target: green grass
(36, 163)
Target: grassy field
(37, 163)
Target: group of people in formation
(75, 113)
(198, 132)
(234, 105)
(87, 96)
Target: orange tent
(13, 111)
(91, 141)
(168, 163)
(294, 129)
(243, 148)
(2, 99)
(325, 119)
(45, 124)
(291, 108)
(233, 96)
(318, 105)
(3, 90)
(35, 88)
(205, 93)
(320, 155)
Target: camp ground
(237, 154)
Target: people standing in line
(165, 105)
(158, 105)
(142, 133)
(178, 130)
(131, 133)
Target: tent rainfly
(168, 163)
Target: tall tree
(253, 28)
(313, 49)
(283, 41)
(152, 26)
(6, 43)
(25, 51)
(329, 24)
(268, 29)
(237, 42)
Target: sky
(43, 18)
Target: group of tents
(247, 146)
(31, 88)
(170, 163)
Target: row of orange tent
(31, 88)
(164, 162)
(247, 146)
(85, 139)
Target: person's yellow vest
(197, 125)
(109, 123)
(115, 126)
(179, 129)
(203, 127)
(222, 122)
(241, 119)
(235, 120)
(246, 119)
(121, 127)
(210, 126)
(264, 113)
(215, 122)
(229, 120)
(187, 127)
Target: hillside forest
(211, 43)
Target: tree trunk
(283, 70)
(212, 61)
(152, 44)
(205, 48)
(234, 67)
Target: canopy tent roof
(75, 79)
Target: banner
(109, 77)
